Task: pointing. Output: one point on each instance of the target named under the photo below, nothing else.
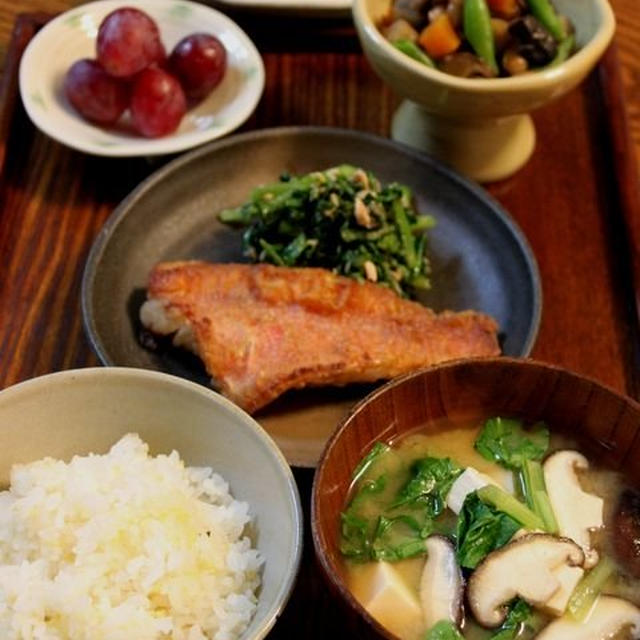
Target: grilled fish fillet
(262, 330)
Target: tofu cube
(568, 577)
(390, 601)
(469, 481)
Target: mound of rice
(124, 546)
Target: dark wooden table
(576, 201)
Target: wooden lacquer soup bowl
(603, 424)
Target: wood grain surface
(576, 201)
(566, 200)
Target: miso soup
(479, 489)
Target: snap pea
(412, 50)
(564, 51)
(477, 29)
(543, 10)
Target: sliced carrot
(504, 8)
(439, 38)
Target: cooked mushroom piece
(608, 617)
(567, 577)
(413, 11)
(523, 568)
(466, 65)
(441, 584)
(533, 41)
(627, 527)
(577, 512)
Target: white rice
(124, 546)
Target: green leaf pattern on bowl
(180, 11)
(74, 20)
(36, 98)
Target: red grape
(199, 61)
(157, 103)
(128, 42)
(94, 93)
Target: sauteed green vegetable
(341, 219)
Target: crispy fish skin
(262, 330)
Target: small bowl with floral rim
(72, 36)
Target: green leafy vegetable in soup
(443, 630)
(429, 484)
(377, 450)
(478, 548)
(394, 508)
(341, 219)
(509, 504)
(506, 442)
(520, 618)
(587, 590)
(481, 529)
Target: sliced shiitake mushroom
(523, 568)
(533, 42)
(576, 511)
(441, 584)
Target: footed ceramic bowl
(89, 410)
(479, 126)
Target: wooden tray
(576, 200)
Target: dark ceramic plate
(480, 258)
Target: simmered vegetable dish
(505, 537)
(480, 38)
